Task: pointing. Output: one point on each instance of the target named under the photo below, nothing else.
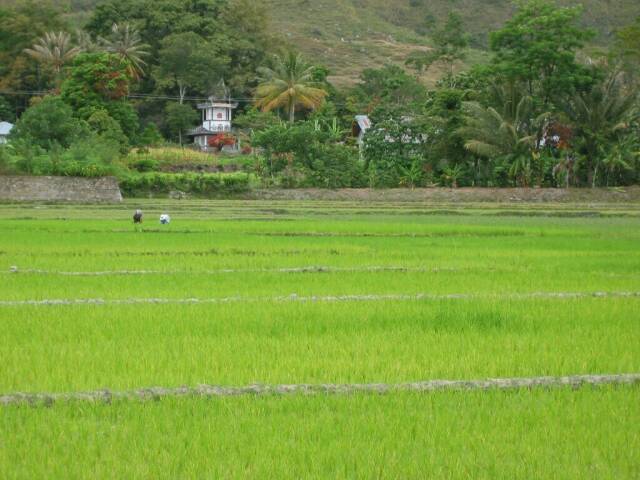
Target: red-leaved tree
(220, 140)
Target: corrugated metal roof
(200, 131)
(218, 103)
(5, 128)
(363, 122)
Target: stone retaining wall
(455, 195)
(59, 189)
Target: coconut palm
(599, 116)
(288, 84)
(620, 157)
(509, 130)
(125, 42)
(53, 49)
(564, 168)
(505, 130)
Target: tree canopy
(538, 46)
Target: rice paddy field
(249, 293)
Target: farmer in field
(137, 217)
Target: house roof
(363, 122)
(218, 103)
(200, 131)
(5, 128)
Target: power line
(143, 96)
(152, 96)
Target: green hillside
(349, 35)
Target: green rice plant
(76, 348)
(569, 434)
(318, 292)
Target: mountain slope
(349, 35)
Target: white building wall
(217, 119)
(217, 126)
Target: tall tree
(189, 62)
(288, 84)
(7, 114)
(125, 42)
(627, 46)
(538, 46)
(450, 41)
(385, 89)
(249, 39)
(54, 50)
(180, 117)
(232, 41)
(100, 81)
(508, 131)
(599, 117)
(157, 19)
(48, 122)
(21, 23)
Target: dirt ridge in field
(367, 297)
(155, 393)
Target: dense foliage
(542, 110)
(209, 185)
(307, 154)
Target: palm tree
(54, 50)
(599, 116)
(85, 42)
(126, 43)
(492, 132)
(622, 156)
(509, 130)
(564, 168)
(289, 84)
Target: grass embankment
(245, 250)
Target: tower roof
(218, 103)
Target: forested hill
(350, 35)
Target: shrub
(307, 156)
(5, 160)
(168, 156)
(79, 169)
(206, 185)
(395, 153)
(145, 165)
(94, 149)
(49, 122)
(150, 136)
(91, 157)
(220, 140)
(109, 129)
